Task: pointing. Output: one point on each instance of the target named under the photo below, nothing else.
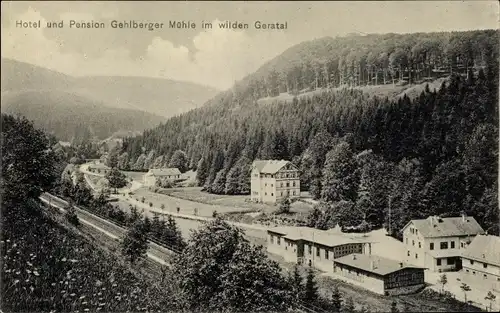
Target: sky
(214, 57)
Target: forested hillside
(75, 118)
(361, 155)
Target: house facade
(313, 247)
(437, 243)
(380, 275)
(272, 180)
(481, 259)
(153, 175)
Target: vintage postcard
(272, 156)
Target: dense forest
(367, 159)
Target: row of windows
(282, 175)
(294, 184)
(281, 193)
(443, 245)
(485, 276)
(338, 251)
(485, 265)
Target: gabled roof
(164, 172)
(435, 226)
(270, 166)
(328, 238)
(484, 248)
(373, 263)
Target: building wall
(267, 188)
(278, 245)
(255, 186)
(322, 257)
(359, 278)
(287, 184)
(490, 275)
(404, 281)
(418, 248)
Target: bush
(71, 216)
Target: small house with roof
(481, 259)
(437, 243)
(314, 247)
(272, 180)
(153, 175)
(379, 274)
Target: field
(388, 90)
(238, 202)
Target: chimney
(401, 264)
(464, 216)
(373, 265)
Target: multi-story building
(272, 180)
(481, 259)
(378, 274)
(314, 247)
(437, 243)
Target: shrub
(71, 217)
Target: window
(485, 265)
(416, 231)
(272, 194)
(265, 193)
(272, 185)
(413, 242)
(471, 262)
(419, 245)
(272, 238)
(265, 185)
(293, 184)
(408, 253)
(431, 246)
(279, 241)
(281, 193)
(318, 251)
(416, 255)
(450, 261)
(326, 254)
(453, 245)
(281, 184)
(438, 262)
(406, 240)
(288, 184)
(443, 245)
(310, 250)
(294, 192)
(485, 276)
(288, 192)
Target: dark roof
(435, 226)
(373, 263)
(485, 249)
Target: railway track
(156, 250)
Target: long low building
(481, 261)
(313, 247)
(380, 275)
